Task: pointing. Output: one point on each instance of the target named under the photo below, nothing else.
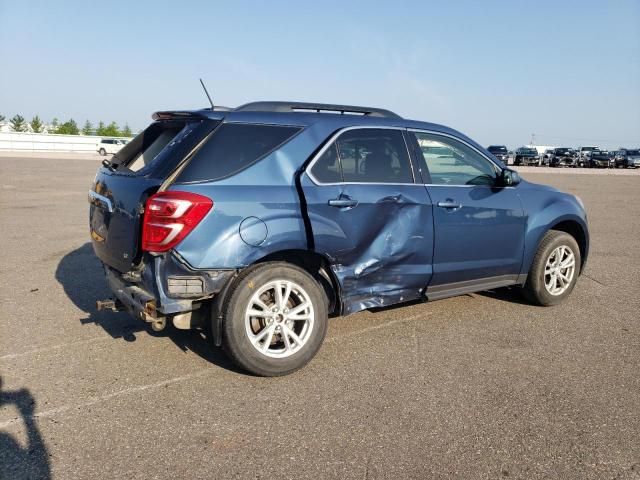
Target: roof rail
(314, 107)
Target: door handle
(342, 202)
(449, 204)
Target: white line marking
(140, 388)
(55, 347)
(94, 400)
(379, 326)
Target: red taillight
(170, 216)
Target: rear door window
(374, 155)
(233, 147)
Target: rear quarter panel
(263, 199)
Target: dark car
(259, 223)
(562, 157)
(526, 156)
(500, 152)
(627, 158)
(598, 159)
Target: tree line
(70, 127)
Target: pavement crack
(594, 280)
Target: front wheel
(102, 152)
(275, 319)
(554, 270)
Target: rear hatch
(122, 185)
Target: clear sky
(568, 71)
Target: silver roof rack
(288, 107)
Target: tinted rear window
(232, 148)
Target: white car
(110, 146)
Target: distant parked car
(598, 159)
(500, 152)
(110, 146)
(562, 157)
(627, 158)
(584, 153)
(525, 156)
(544, 158)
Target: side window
(451, 162)
(327, 168)
(234, 147)
(374, 155)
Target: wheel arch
(570, 224)
(575, 229)
(316, 265)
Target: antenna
(207, 93)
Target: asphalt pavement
(479, 386)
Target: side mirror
(509, 178)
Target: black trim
(445, 290)
(288, 107)
(308, 229)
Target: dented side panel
(381, 250)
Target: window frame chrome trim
(331, 142)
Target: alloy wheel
(279, 318)
(559, 270)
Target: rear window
(146, 146)
(234, 147)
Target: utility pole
(533, 139)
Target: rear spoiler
(216, 114)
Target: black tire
(534, 289)
(235, 338)
(102, 152)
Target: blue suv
(258, 223)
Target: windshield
(589, 149)
(529, 150)
(497, 149)
(633, 153)
(563, 151)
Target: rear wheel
(555, 269)
(275, 319)
(102, 152)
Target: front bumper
(564, 161)
(529, 160)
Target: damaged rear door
(370, 218)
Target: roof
(305, 114)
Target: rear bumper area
(165, 288)
(137, 301)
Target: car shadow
(506, 294)
(32, 459)
(82, 278)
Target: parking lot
(479, 386)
